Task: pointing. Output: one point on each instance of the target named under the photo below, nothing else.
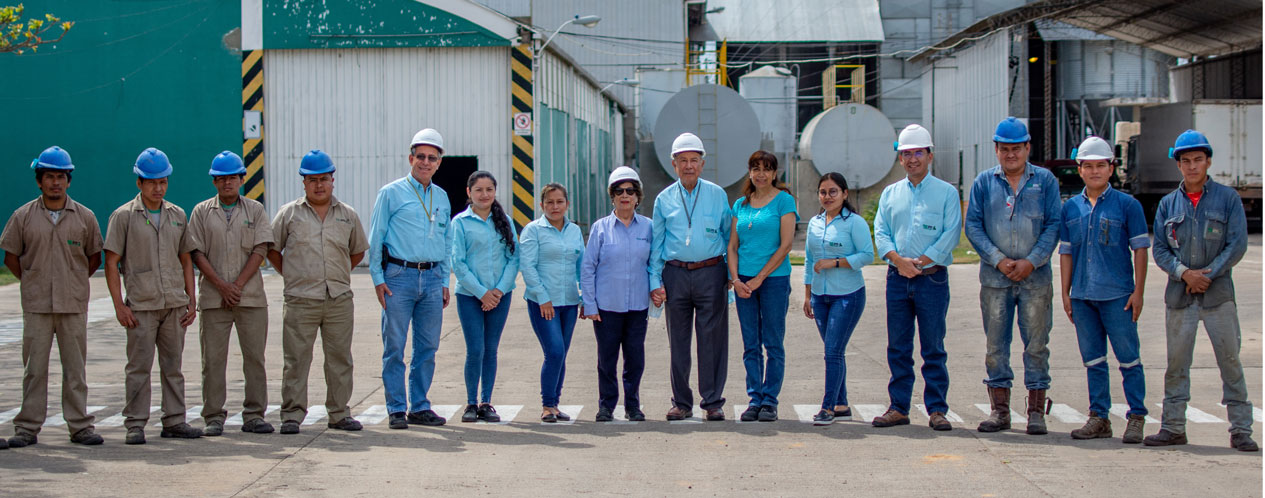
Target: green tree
(17, 36)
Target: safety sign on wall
(522, 123)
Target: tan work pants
(160, 330)
(252, 336)
(38, 332)
(300, 320)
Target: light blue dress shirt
(760, 234)
(479, 259)
(400, 222)
(847, 236)
(917, 220)
(615, 274)
(701, 234)
(550, 261)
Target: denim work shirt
(1212, 236)
(917, 220)
(689, 226)
(550, 262)
(1101, 239)
(480, 260)
(847, 236)
(615, 274)
(408, 229)
(1003, 224)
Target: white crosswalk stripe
(118, 419)
(805, 413)
(447, 411)
(951, 416)
(193, 413)
(1015, 417)
(8, 415)
(1197, 416)
(867, 413)
(507, 413)
(572, 410)
(1122, 411)
(236, 420)
(59, 419)
(314, 414)
(620, 418)
(1067, 414)
(373, 415)
(738, 409)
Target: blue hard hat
(152, 164)
(1011, 131)
(226, 164)
(53, 158)
(316, 162)
(1190, 140)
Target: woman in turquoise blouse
(485, 261)
(837, 245)
(551, 249)
(760, 236)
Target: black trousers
(697, 305)
(617, 331)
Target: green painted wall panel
(368, 23)
(129, 75)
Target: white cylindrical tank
(722, 119)
(854, 140)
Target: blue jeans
(1096, 323)
(837, 317)
(417, 297)
(482, 330)
(762, 318)
(555, 341)
(923, 299)
(1036, 316)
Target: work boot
(87, 437)
(22, 439)
(346, 424)
(213, 428)
(1166, 438)
(1133, 431)
(939, 422)
(289, 426)
(135, 435)
(4, 444)
(257, 426)
(182, 431)
(1095, 427)
(999, 418)
(1243, 442)
(1038, 407)
(751, 414)
(891, 418)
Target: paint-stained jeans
(1222, 324)
(1035, 315)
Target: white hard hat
(429, 137)
(1094, 149)
(914, 137)
(687, 142)
(623, 174)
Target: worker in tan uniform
(318, 241)
(147, 242)
(231, 235)
(53, 244)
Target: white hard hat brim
(700, 152)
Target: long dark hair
(843, 185)
(499, 221)
(760, 158)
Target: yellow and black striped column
(524, 170)
(253, 100)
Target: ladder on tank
(708, 133)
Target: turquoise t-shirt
(759, 234)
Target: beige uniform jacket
(317, 254)
(227, 244)
(150, 254)
(54, 257)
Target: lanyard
(689, 211)
(430, 215)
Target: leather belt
(930, 270)
(696, 265)
(409, 264)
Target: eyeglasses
(834, 192)
(426, 158)
(915, 154)
(624, 191)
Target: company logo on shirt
(836, 244)
(711, 230)
(928, 227)
(73, 243)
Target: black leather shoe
(22, 439)
(634, 414)
(487, 413)
(346, 424)
(397, 421)
(427, 418)
(562, 417)
(471, 414)
(604, 415)
(289, 426)
(768, 413)
(751, 414)
(1164, 438)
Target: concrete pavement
(525, 457)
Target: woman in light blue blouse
(760, 236)
(550, 251)
(485, 263)
(837, 245)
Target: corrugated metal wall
(362, 106)
(1110, 69)
(964, 96)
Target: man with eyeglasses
(410, 237)
(1012, 220)
(917, 226)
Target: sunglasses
(624, 191)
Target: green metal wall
(129, 75)
(368, 23)
(576, 154)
